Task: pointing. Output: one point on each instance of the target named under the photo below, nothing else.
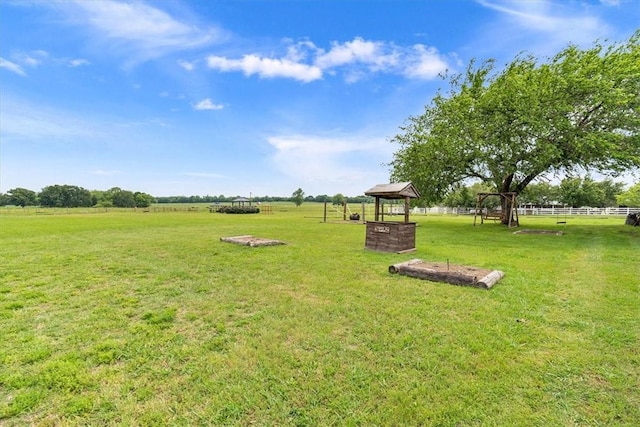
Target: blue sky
(247, 97)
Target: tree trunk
(506, 201)
(507, 206)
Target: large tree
(22, 197)
(65, 196)
(579, 111)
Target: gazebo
(240, 201)
(392, 236)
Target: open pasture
(133, 318)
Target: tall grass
(124, 318)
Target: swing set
(506, 199)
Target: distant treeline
(337, 199)
(72, 196)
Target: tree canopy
(631, 197)
(65, 196)
(298, 197)
(22, 197)
(578, 112)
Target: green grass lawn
(132, 318)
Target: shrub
(238, 209)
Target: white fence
(399, 210)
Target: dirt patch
(556, 232)
(461, 269)
(449, 273)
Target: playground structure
(510, 216)
(344, 212)
(391, 236)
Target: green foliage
(540, 194)
(573, 191)
(143, 200)
(338, 199)
(578, 111)
(237, 209)
(631, 197)
(298, 197)
(160, 317)
(121, 198)
(22, 197)
(65, 196)
(466, 197)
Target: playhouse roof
(397, 190)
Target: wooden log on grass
(395, 268)
(490, 279)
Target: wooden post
(377, 211)
(363, 210)
(344, 211)
(325, 211)
(407, 204)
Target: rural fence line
(399, 210)
(391, 210)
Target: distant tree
(123, 198)
(101, 199)
(539, 194)
(610, 190)
(466, 197)
(298, 197)
(143, 200)
(631, 197)
(4, 199)
(460, 197)
(338, 199)
(578, 192)
(65, 196)
(22, 197)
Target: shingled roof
(398, 190)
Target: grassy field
(132, 318)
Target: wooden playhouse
(392, 236)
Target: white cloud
(356, 51)
(425, 62)
(188, 66)
(77, 62)
(207, 104)
(349, 162)
(137, 30)
(304, 61)
(542, 27)
(12, 66)
(32, 59)
(266, 67)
